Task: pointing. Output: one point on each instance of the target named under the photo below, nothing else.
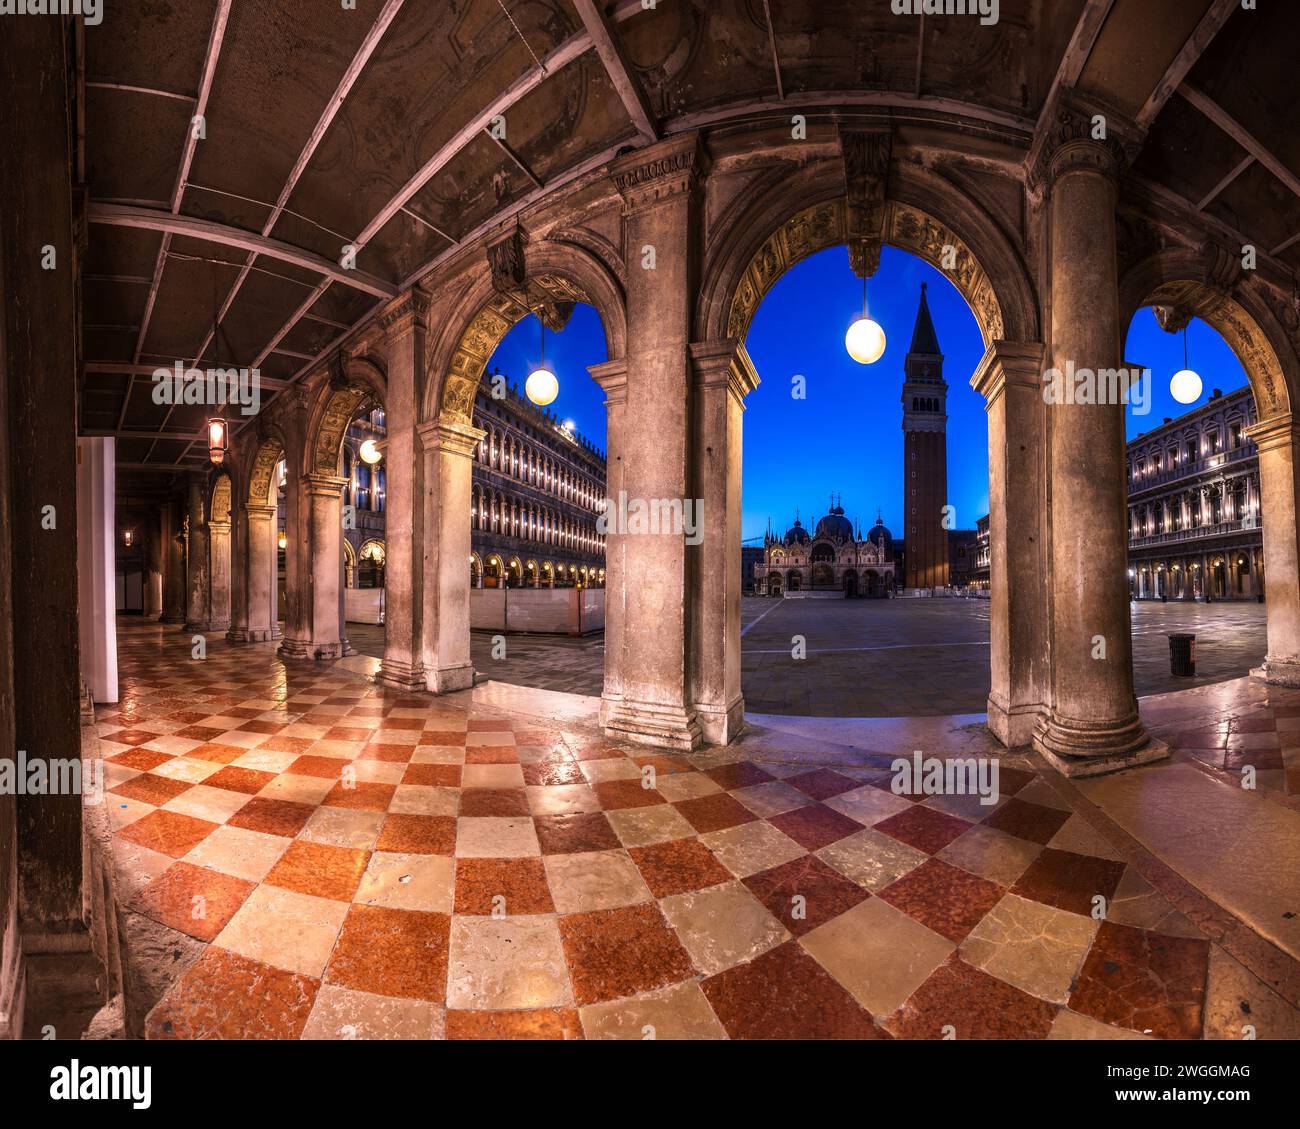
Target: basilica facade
(834, 560)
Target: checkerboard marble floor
(362, 863)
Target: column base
(194, 628)
(326, 652)
(721, 725)
(237, 635)
(402, 675)
(1279, 672)
(258, 635)
(219, 625)
(171, 618)
(449, 679)
(1012, 725)
(1077, 748)
(293, 649)
(651, 723)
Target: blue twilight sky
(846, 434)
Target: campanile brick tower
(925, 457)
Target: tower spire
(924, 338)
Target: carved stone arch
(271, 445)
(350, 381)
(1180, 279)
(555, 273)
(925, 215)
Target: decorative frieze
(668, 169)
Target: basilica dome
(879, 535)
(835, 526)
(796, 533)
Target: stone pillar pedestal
(724, 376)
(659, 187)
(196, 560)
(1092, 725)
(219, 576)
(325, 498)
(1010, 378)
(403, 663)
(260, 582)
(448, 451)
(1279, 488)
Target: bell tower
(925, 457)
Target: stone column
(96, 552)
(173, 562)
(1092, 725)
(261, 597)
(1279, 481)
(403, 664)
(325, 500)
(153, 558)
(658, 185)
(296, 643)
(219, 576)
(40, 331)
(196, 563)
(1010, 378)
(448, 450)
(612, 377)
(724, 376)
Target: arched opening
(538, 478)
(346, 488)
(820, 424)
(1197, 486)
(266, 575)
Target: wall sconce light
(218, 440)
(128, 537)
(283, 541)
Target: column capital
(1018, 363)
(454, 438)
(1276, 431)
(724, 363)
(670, 168)
(259, 513)
(218, 527)
(318, 484)
(1085, 136)
(404, 314)
(612, 377)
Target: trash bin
(1182, 655)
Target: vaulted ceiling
(325, 127)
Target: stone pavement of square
(878, 658)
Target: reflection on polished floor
(320, 857)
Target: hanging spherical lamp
(370, 452)
(542, 387)
(1185, 385)
(865, 340)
